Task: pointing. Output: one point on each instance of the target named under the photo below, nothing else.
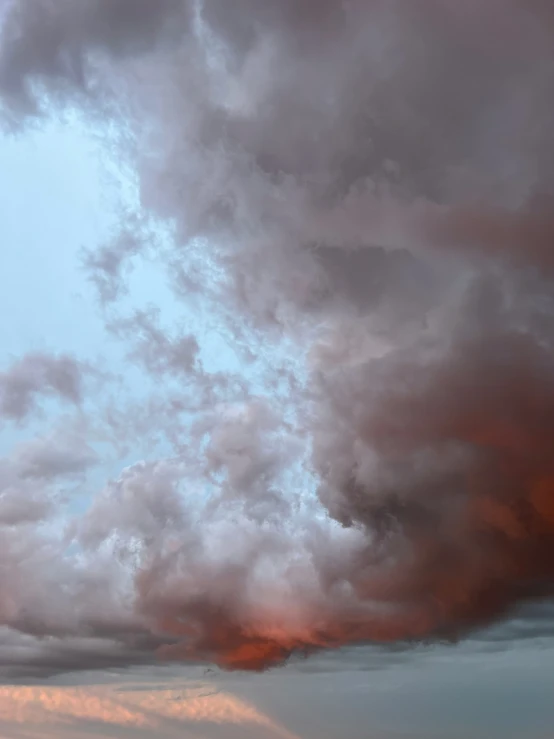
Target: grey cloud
(356, 186)
(33, 474)
(51, 457)
(36, 375)
(105, 267)
(53, 40)
(28, 657)
(21, 503)
(154, 349)
(247, 449)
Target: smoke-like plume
(365, 187)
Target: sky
(276, 370)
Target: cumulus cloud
(359, 192)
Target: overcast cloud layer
(359, 193)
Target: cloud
(53, 40)
(355, 194)
(54, 456)
(112, 708)
(36, 375)
(158, 353)
(36, 474)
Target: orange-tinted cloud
(128, 707)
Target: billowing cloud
(357, 195)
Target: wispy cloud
(99, 711)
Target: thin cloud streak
(154, 711)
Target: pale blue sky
(51, 187)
